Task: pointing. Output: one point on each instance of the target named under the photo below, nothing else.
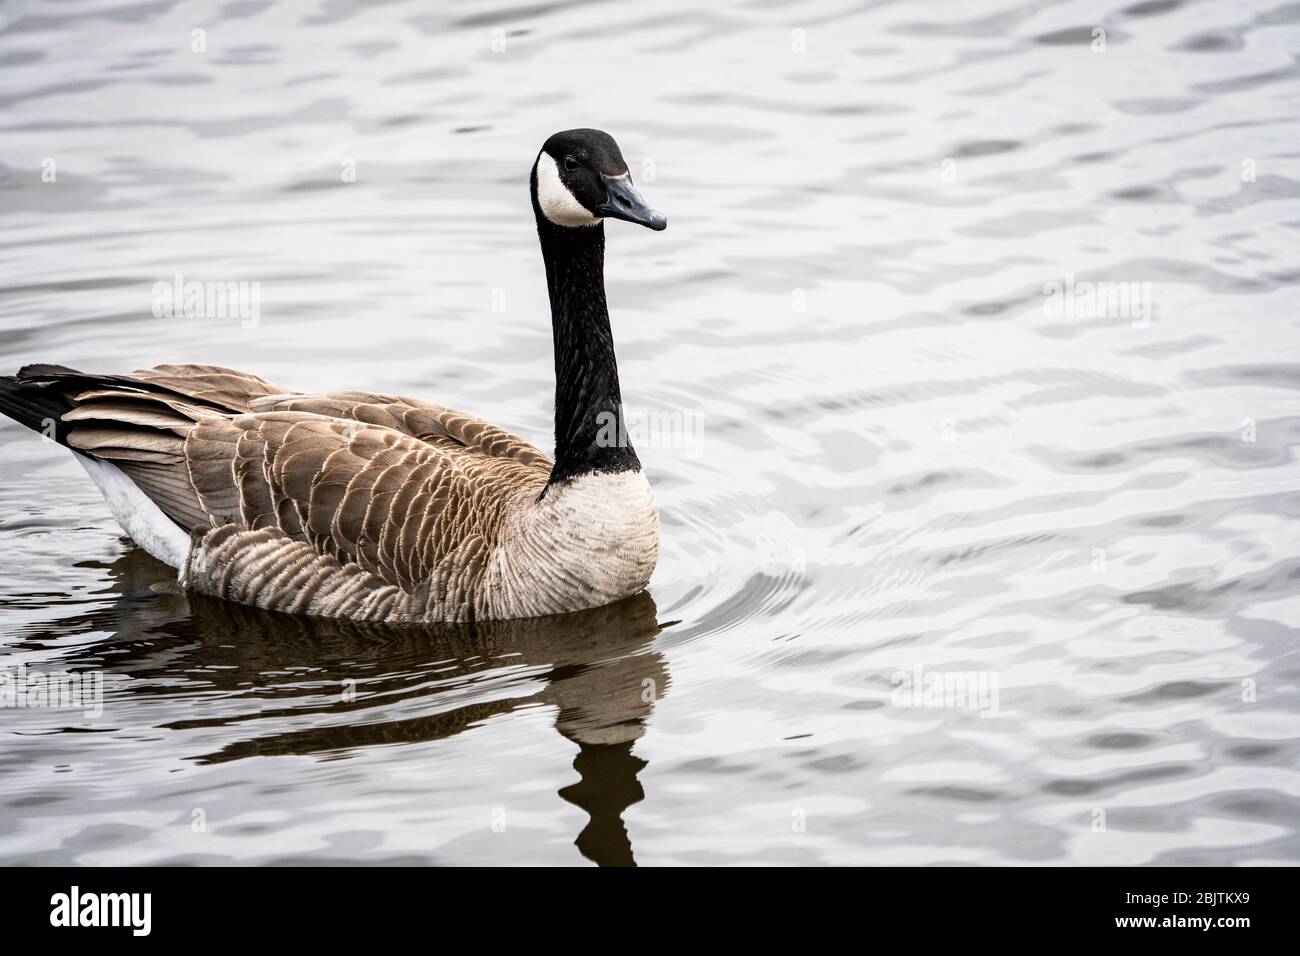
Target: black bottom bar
(333, 905)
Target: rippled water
(888, 447)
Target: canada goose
(379, 507)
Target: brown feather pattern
(363, 506)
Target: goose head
(580, 179)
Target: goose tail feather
(35, 403)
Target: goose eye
(570, 163)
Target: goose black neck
(590, 435)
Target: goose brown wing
(400, 488)
(399, 507)
(438, 425)
(210, 384)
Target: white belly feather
(139, 517)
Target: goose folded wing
(437, 425)
(399, 507)
(212, 384)
(396, 506)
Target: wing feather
(379, 499)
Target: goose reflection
(245, 667)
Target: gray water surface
(892, 432)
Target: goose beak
(624, 202)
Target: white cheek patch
(558, 204)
